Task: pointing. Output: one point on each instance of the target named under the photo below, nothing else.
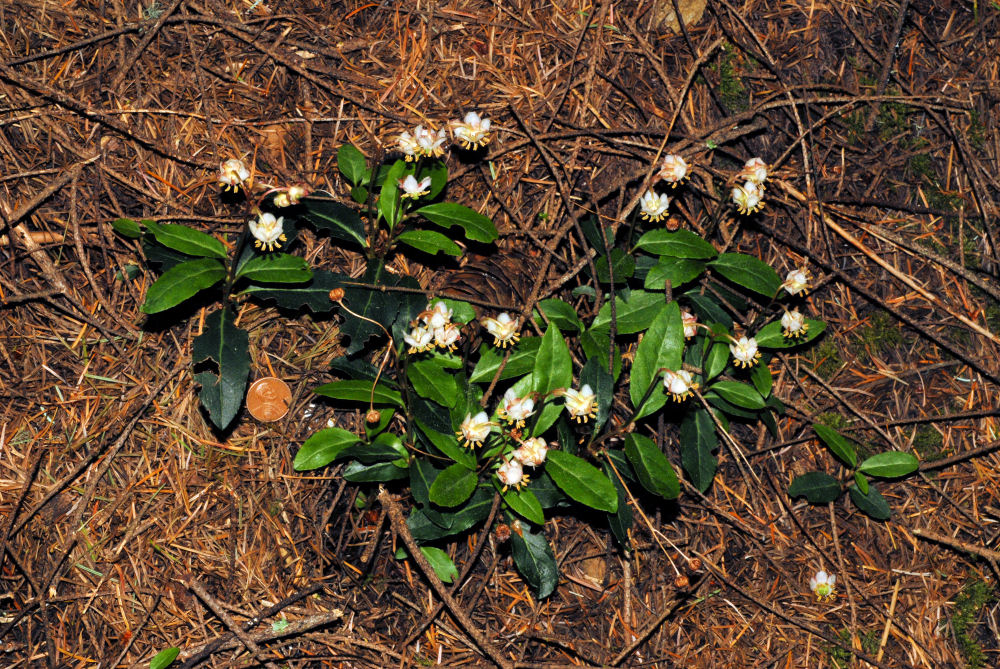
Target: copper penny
(268, 399)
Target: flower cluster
(749, 197)
(433, 327)
(503, 328)
(822, 585)
(530, 454)
(470, 133)
(267, 231)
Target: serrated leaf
(603, 385)
(447, 214)
(678, 244)
(188, 240)
(633, 315)
(521, 360)
(872, 504)
(891, 464)
(181, 282)
(352, 164)
(339, 221)
(676, 270)
(716, 360)
(229, 348)
(816, 487)
(313, 294)
(524, 503)
(430, 381)
(356, 472)
(127, 227)
(472, 512)
(749, 272)
(535, 560)
(360, 391)
(651, 466)
(698, 440)
(553, 364)
(164, 658)
(837, 444)
(560, 313)
(453, 486)
(441, 563)
(582, 481)
(430, 242)
(276, 268)
(621, 263)
(762, 379)
(740, 394)
(770, 336)
(661, 347)
(448, 444)
(323, 448)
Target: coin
(268, 399)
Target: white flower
(474, 429)
(267, 231)
(420, 339)
(679, 384)
(428, 142)
(515, 409)
(690, 324)
(232, 174)
(745, 353)
(754, 171)
(794, 324)
(748, 198)
(674, 169)
(654, 207)
(532, 452)
(290, 196)
(581, 404)
(413, 188)
(436, 316)
(503, 328)
(511, 474)
(472, 132)
(446, 336)
(797, 282)
(822, 585)
(409, 146)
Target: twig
(233, 626)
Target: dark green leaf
(524, 503)
(438, 172)
(698, 440)
(429, 380)
(890, 464)
(596, 344)
(313, 294)
(676, 270)
(553, 364)
(164, 658)
(582, 481)
(862, 482)
(422, 475)
(323, 448)
(229, 348)
(837, 444)
(679, 244)
(187, 240)
(620, 521)
(352, 164)
(622, 264)
(339, 221)
(661, 347)
(521, 360)
(816, 487)
(276, 268)
(716, 361)
(761, 378)
(707, 309)
(355, 472)
(740, 394)
(770, 336)
(603, 385)
(127, 227)
(748, 272)
(634, 315)
(872, 504)
(651, 466)
(535, 560)
(448, 444)
(472, 512)
(441, 563)
(387, 447)
(181, 282)
(360, 391)
(560, 313)
(546, 491)
(454, 485)
(388, 199)
(447, 214)
(430, 242)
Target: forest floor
(128, 525)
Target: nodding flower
(754, 171)
(674, 170)
(797, 282)
(748, 198)
(474, 429)
(654, 207)
(471, 132)
(267, 231)
(422, 143)
(233, 173)
(514, 409)
(823, 585)
(745, 353)
(679, 384)
(794, 324)
(511, 474)
(413, 188)
(420, 339)
(532, 452)
(581, 404)
(690, 324)
(503, 328)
